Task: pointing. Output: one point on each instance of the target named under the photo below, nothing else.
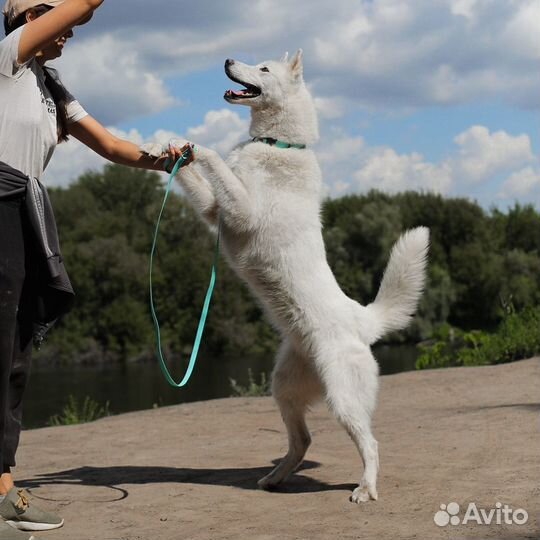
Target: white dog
(268, 198)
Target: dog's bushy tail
(402, 283)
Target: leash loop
(206, 306)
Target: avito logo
(501, 514)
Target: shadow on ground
(113, 477)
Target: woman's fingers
(174, 152)
(188, 153)
(178, 148)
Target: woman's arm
(92, 134)
(42, 31)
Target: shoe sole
(31, 526)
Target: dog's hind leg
(295, 386)
(351, 378)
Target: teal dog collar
(277, 143)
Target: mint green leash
(206, 307)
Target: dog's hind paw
(266, 483)
(363, 494)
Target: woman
(36, 113)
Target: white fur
(269, 202)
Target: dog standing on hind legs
(268, 198)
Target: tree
(480, 264)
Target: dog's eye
(265, 69)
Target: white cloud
(337, 154)
(377, 54)
(521, 31)
(339, 148)
(480, 158)
(463, 7)
(329, 108)
(402, 54)
(108, 78)
(221, 131)
(483, 154)
(388, 171)
(524, 183)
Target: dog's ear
(297, 68)
(285, 57)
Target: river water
(141, 385)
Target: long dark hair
(57, 91)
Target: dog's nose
(229, 62)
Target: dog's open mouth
(249, 91)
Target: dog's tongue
(236, 92)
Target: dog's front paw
(204, 154)
(177, 143)
(154, 150)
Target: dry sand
(189, 471)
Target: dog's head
(281, 106)
(267, 84)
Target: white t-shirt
(28, 132)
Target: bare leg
(6, 482)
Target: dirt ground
(462, 435)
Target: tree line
(480, 262)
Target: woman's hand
(176, 150)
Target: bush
(517, 337)
(77, 413)
(253, 389)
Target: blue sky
(438, 95)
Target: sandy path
(189, 471)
